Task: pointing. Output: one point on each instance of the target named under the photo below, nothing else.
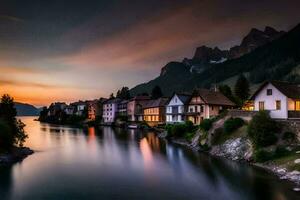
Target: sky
(67, 50)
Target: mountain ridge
(276, 54)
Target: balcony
(294, 114)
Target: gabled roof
(183, 97)
(114, 100)
(156, 103)
(290, 90)
(213, 97)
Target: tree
(262, 130)
(156, 92)
(242, 90)
(111, 96)
(123, 93)
(12, 129)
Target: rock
(297, 189)
(234, 149)
(297, 151)
(281, 170)
(297, 161)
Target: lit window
(278, 105)
(269, 92)
(297, 105)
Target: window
(269, 92)
(297, 105)
(278, 105)
(261, 105)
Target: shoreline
(280, 172)
(16, 155)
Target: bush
(262, 130)
(289, 136)
(206, 124)
(281, 151)
(217, 136)
(232, 124)
(179, 130)
(189, 136)
(262, 155)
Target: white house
(281, 99)
(176, 107)
(110, 109)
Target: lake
(105, 163)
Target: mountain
(24, 109)
(262, 55)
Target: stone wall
(245, 115)
(290, 125)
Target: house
(176, 108)
(135, 108)
(110, 110)
(122, 108)
(56, 108)
(281, 99)
(80, 107)
(205, 104)
(154, 111)
(93, 109)
(69, 110)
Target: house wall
(270, 102)
(109, 112)
(175, 102)
(154, 116)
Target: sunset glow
(55, 49)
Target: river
(105, 163)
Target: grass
(223, 137)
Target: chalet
(281, 99)
(205, 104)
(135, 108)
(176, 108)
(154, 111)
(110, 110)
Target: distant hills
(24, 109)
(262, 55)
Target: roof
(290, 90)
(184, 97)
(156, 103)
(213, 97)
(139, 98)
(114, 100)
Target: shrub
(217, 136)
(206, 124)
(289, 136)
(179, 130)
(281, 151)
(232, 124)
(262, 155)
(189, 136)
(262, 130)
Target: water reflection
(89, 163)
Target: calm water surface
(74, 163)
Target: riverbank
(17, 154)
(240, 150)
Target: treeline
(11, 129)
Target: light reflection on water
(105, 163)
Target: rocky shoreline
(240, 150)
(17, 154)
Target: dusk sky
(66, 50)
